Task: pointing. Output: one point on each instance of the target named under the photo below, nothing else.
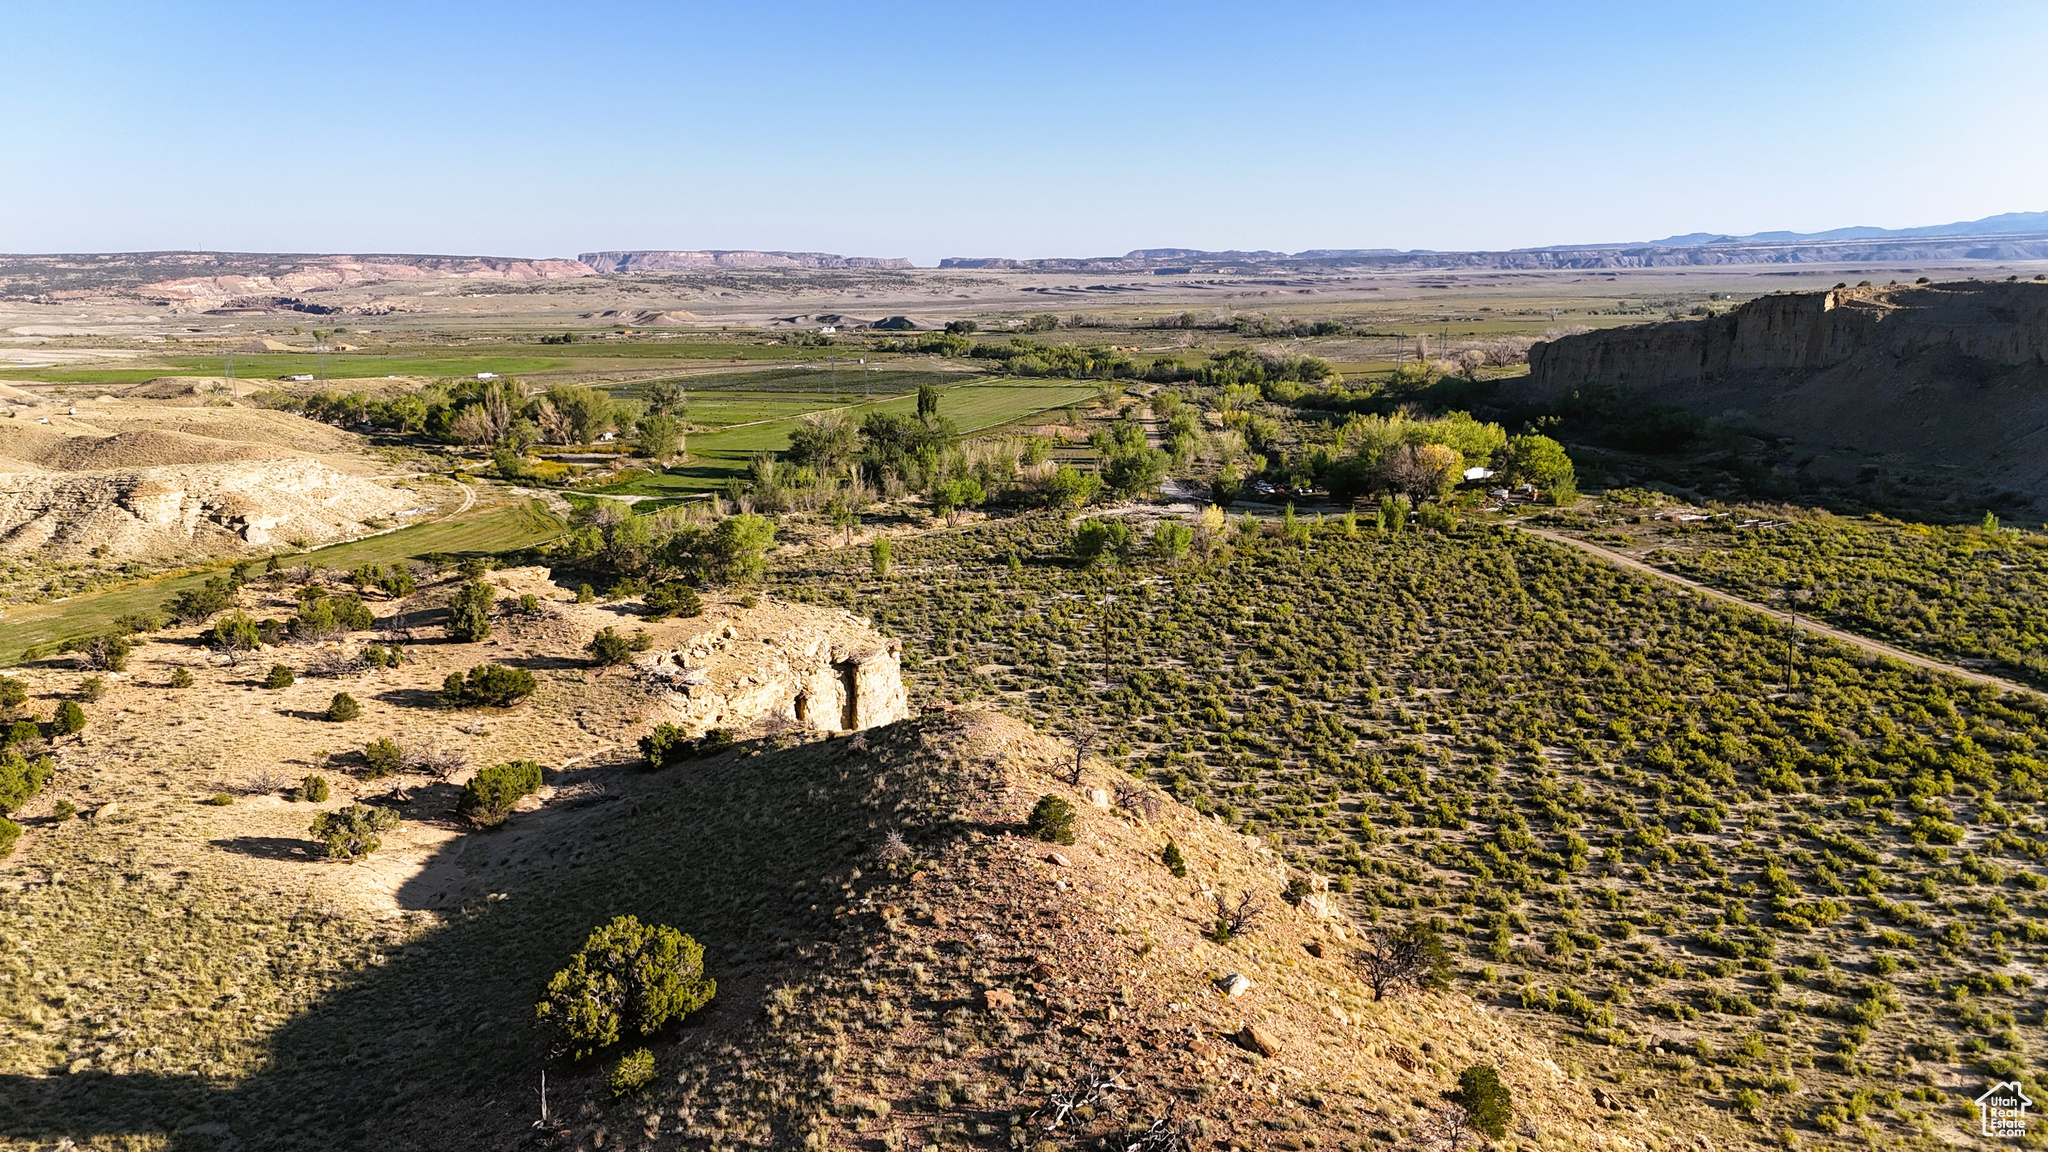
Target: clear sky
(1026, 129)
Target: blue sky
(1039, 129)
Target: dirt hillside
(934, 987)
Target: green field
(717, 457)
(505, 359)
(493, 530)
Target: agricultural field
(977, 406)
(1975, 595)
(505, 357)
(1817, 907)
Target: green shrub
(234, 633)
(469, 612)
(667, 745)
(21, 778)
(1485, 1099)
(634, 1071)
(490, 794)
(107, 653)
(219, 800)
(94, 688)
(342, 707)
(487, 685)
(280, 677)
(12, 694)
(198, 605)
(23, 733)
(585, 593)
(609, 648)
(326, 616)
(1171, 540)
(181, 678)
(351, 832)
(63, 810)
(70, 718)
(9, 833)
(382, 757)
(878, 555)
(1102, 540)
(1174, 861)
(673, 598)
(715, 740)
(314, 789)
(383, 655)
(628, 978)
(1052, 820)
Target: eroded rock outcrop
(779, 666)
(2003, 324)
(1948, 382)
(151, 511)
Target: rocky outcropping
(211, 507)
(1944, 381)
(779, 667)
(2003, 324)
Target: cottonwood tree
(1410, 957)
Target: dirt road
(1877, 647)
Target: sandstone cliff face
(778, 666)
(1948, 382)
(2003, 324)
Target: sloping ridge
(866, 1001)
(1942, 376)
(151, 481)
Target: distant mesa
(617, 263)
(258, 282)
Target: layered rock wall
(2004, 324)
(781, 667)
(1946, 383)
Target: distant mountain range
(2012, 236)
(2008, 224)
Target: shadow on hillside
(421, 698)
(547, 663)
(434, 1048)
(268, 847)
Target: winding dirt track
(1876, 647)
